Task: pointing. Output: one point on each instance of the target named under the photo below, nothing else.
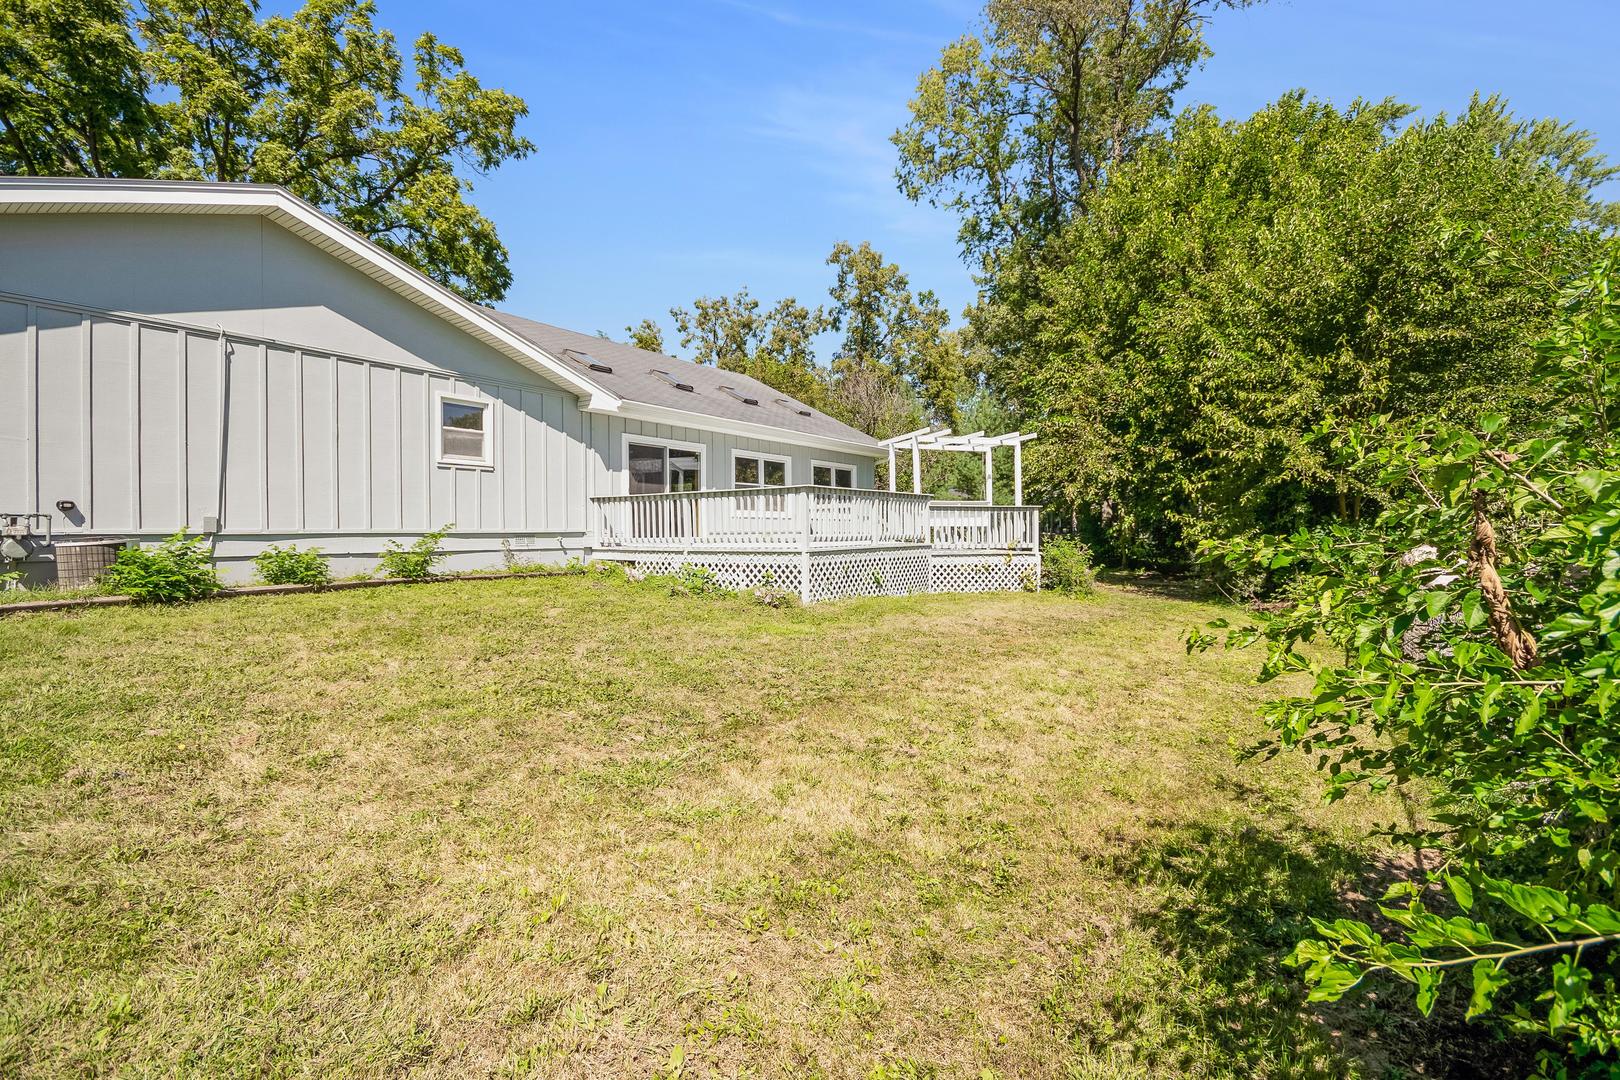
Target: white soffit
(57, 195)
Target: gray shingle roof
(634, 378)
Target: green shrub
(698, 580)
(177, 569)
(604, 571)
(1466, 642)
(416, 561)
(290, 566)
(1066, 566)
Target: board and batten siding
(126, 416)
(159, 369)
(606, 439)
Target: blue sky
(695, 146)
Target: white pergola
(932, 438)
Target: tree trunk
(1512, 638)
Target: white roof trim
(663, 414)
(55, 195)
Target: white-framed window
(753, 470)
(750, 469)
(654, 465)
(466, 431)
(832, 474)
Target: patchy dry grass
(573, 827)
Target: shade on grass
(576, 827)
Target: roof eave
(663, 414)
(42, 195)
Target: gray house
(227, 359)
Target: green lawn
(575, 827)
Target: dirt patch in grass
(571, 827)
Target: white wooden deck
(825, 542)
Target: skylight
(589, 361)
(673, 381)
(794, 405)
(745, 399)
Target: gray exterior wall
(134, 349)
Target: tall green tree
(890, 334)
(896, 361)
(1013, 131)
(316, 101)
(646, 334)
(1017, 125)
(73, 91)
(720, 330)
(775, 346)
(1237, 284)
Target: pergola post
(973, 442)
(1018, 473)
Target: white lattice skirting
(836, 575)
(981, 572)
(734, 570)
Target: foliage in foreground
(1475, 634)
(291, 566)
(176, 570)
(416, 561)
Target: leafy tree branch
(315, 100)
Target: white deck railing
(800, 518)
(980, 527)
